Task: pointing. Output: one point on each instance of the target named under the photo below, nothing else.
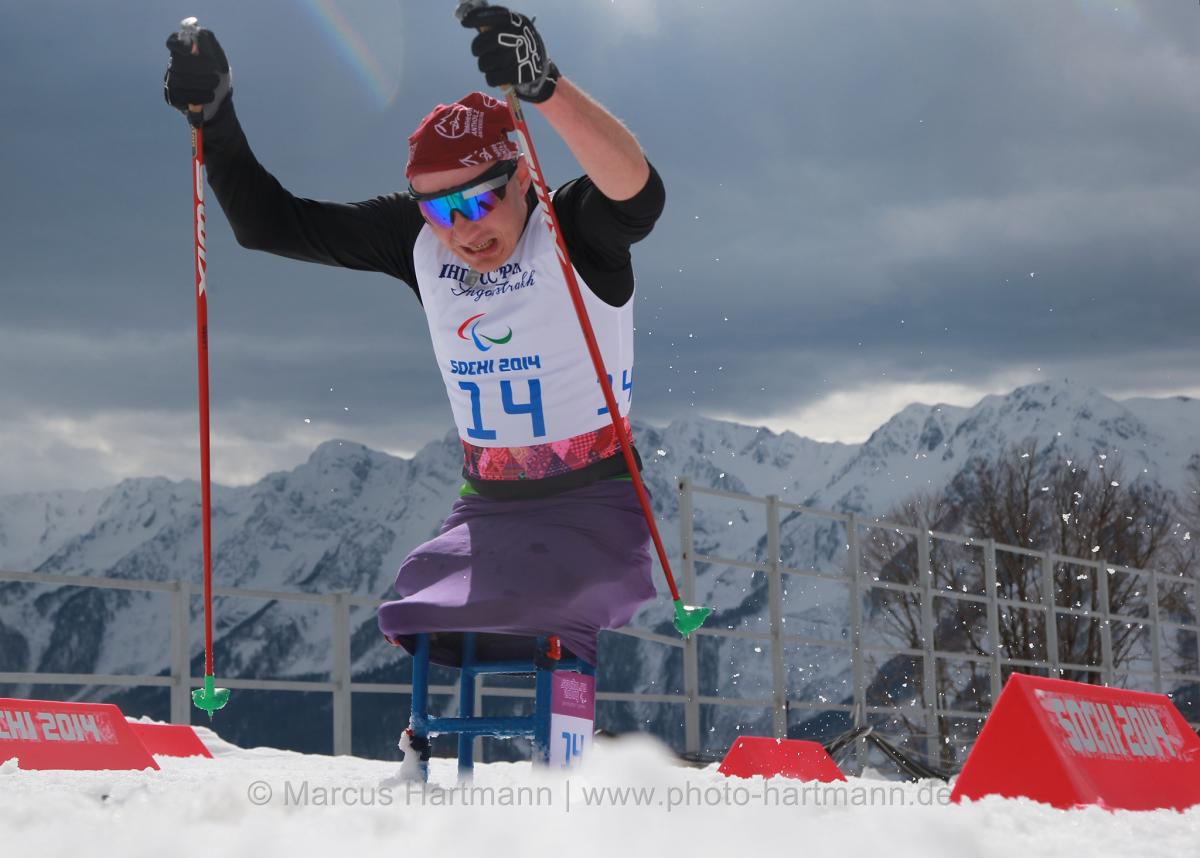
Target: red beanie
(473, 130)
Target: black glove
(200, 78)
(511, 52)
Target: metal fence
(932, 705)
(341, 685)
(863, 575)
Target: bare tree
(1072, 509)
(891, 554)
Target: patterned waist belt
(541, 460)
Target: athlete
(547, 536)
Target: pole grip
(189, 28)
(189, 31)
(466, 6)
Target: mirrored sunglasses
(473, 200)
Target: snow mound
(631, 797)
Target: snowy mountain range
(344, 520)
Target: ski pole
(688, 618)
(209, 698)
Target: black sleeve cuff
(224, 128)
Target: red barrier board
(169, 740)
(789, 758)
(1069, 744)
(47, 734)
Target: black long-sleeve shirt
(378, 234)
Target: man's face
(483, 244)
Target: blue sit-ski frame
(468, 725)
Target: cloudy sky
(869, 203)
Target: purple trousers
(568, 565)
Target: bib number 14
(532, 406)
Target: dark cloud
(856, 193)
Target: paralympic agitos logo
(469, 330)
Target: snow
(197, 807)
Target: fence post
(993, 616)
(477, 749)
(1196, 614)
(1195, 582)
(857, 668)
(691, 658)
(1049, 597)
(181, 638)
(928, 660)
(1107, 667)
(775, 598)
(1155, 636)
(341, 675)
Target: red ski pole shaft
(209, 698)
(589, 335)
(202, 372)
(190, 31)
(687, 619)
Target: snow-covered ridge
(345, 519)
